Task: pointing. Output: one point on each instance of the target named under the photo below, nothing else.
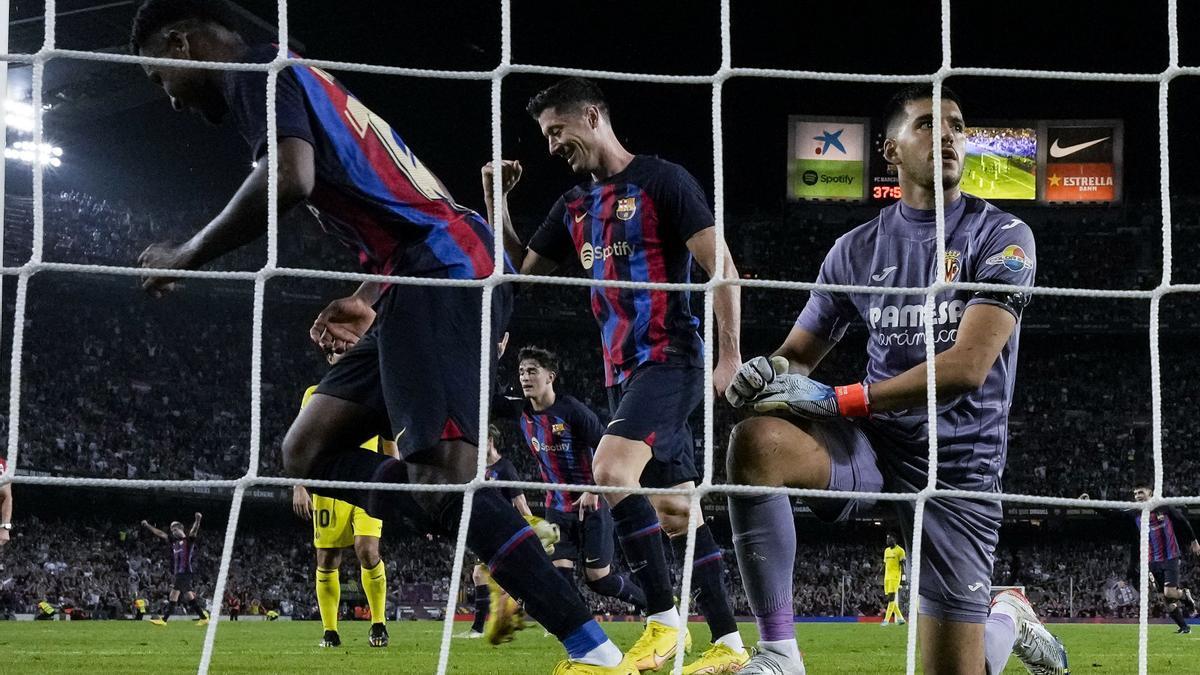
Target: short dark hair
(1146, 485)
(572, 92)
(543, 357)
(154, 15)
(913, 92)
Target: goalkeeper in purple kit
(872, 435)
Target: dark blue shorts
(1165, 573)
(588, 541)
(652, 406)
(419, 365)
(184, 582)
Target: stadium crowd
(161, 390)
(103, 566)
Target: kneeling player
(183, 552)
(338, 525)
(1166, 524)
(874, 435)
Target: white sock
(788, 648)
(732, 640)
(669, 618)
(606, 655)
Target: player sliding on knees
(640, 218)
(415, 376)
(873, 435)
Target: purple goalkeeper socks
(764, 537)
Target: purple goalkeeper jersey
(898, 249)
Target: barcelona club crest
(952, 267)
(626, 207)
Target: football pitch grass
(1016, 184)
(290, 647)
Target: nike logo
(580, 216)
(589, 561)
(1058, 151)
(975, 586)
(634, 569)
(1010, 225)
(619, 419)
(887, 271)
(400, 434)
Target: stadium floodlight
(28, 152)
(18, 115)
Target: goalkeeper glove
(770, 388)
(546, 532)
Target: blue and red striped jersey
(634, 226)
(183, 553)
(1164, 540)
(562, 438)
(371, 191)
(503, 469)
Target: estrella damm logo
(1013, 258)
(589, 255)
(626, 207)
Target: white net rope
(496, 76)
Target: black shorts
(1165, 573)
(419, 365)
(653, 406)
(183, 582)
(593, 536)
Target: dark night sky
(127, 142)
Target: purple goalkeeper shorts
(958, 546)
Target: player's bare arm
(772, 386)
(6, 510)
(344, 321)
(510, 175)
(522, 505)
(961, 369)
(195, 525)
(727, 306)
(154, 530)
(301, 502)
(243, 219)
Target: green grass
(290, 647)
(1016, 184)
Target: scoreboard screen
(1001, 163)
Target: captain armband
(1015, 301)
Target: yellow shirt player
(893, 574)
(338, 525)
